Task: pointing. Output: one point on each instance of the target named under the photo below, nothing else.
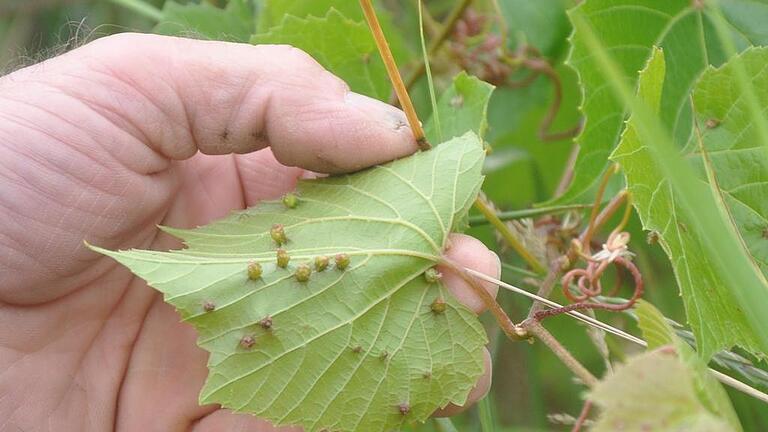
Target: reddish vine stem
(583, 416)
(512, 331)
(541, 66)
(394, 74)
(531, 58)
(565, 179)
(545, 289)
(609, 210)
(591, 227)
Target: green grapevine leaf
(733, 149)
(653, 392)
(342, 46)
(273, 12)
(658, 333)
(713, 311)
(462, 107)
(629, 29)
(235, 23)
(365, 348)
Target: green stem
(444, 425)
(425, 54)
(434, 46)
(142, 8)
(509, 236)
(526, 213)
(486, 414)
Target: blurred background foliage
(532, 391)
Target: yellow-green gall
(342, 261)
(278, 234)
(282, 258)
(254, 271)
(290, 200)
(432, 275)
(303, 271)
(321, 263)
(438, 306)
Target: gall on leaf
(282, 258)
(432, 275)
(278, 234)
(321, 263)
(266, 322)
(438, 306)
(247, 341)
(254, 270)
(290, 200)
(342, 261)
(712, 123)
(404, 408)
(303, 272)
(209, 306)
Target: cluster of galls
(302, 274)
(477, 50)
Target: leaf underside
(347, 349)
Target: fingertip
(333, 134)
(471, 253)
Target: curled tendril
(589, 286)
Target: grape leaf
(462, 107)
(235, 23)
(712, 309)
(272, 13)
(653, 392)
(734, 150)
(658, 333)
(360, 349)
(629, 29)
(342, 46)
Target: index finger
(180, 96)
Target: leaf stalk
(485, 208)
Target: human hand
(108, 141)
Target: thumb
(181, 96)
